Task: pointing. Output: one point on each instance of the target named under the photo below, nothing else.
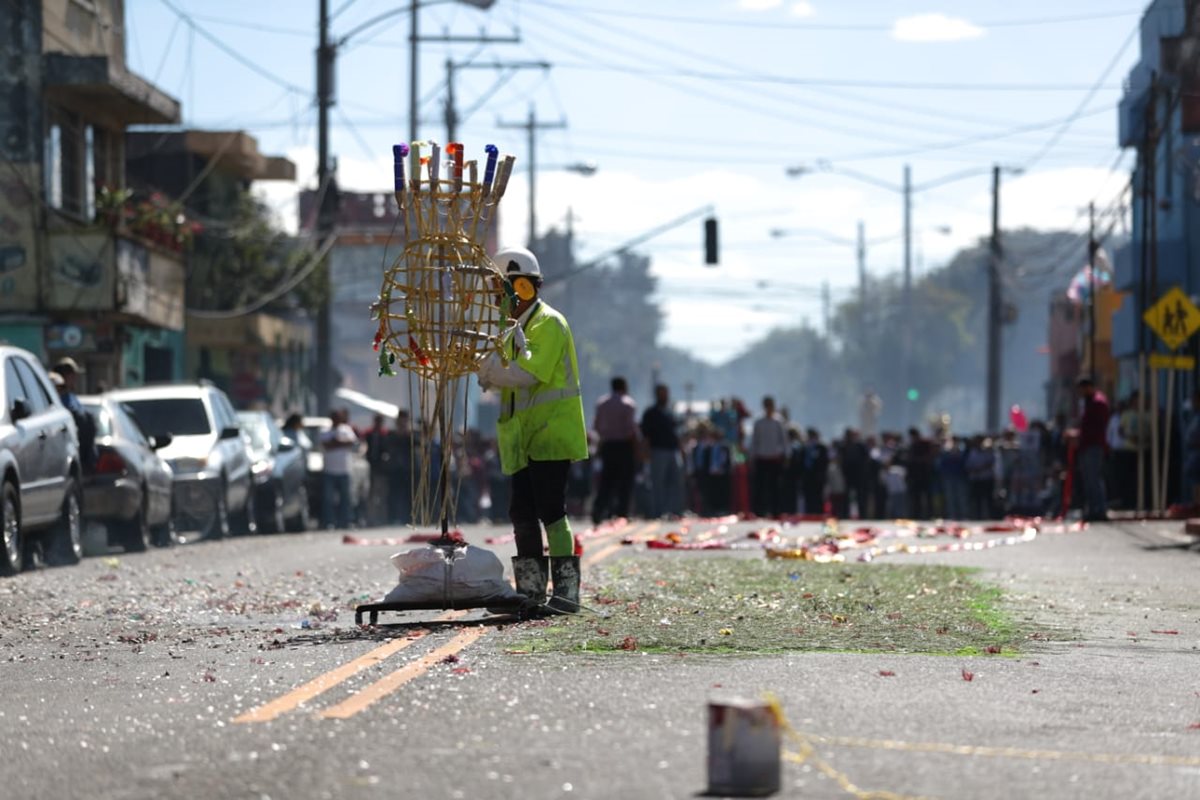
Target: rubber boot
(564, 572)
(530, 574)
(531, 577)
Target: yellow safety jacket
(542, 422)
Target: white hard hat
(514, 261)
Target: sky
(683, 105)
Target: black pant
(814, 495)
(539, 493)
(616, 480)
(767, 478)
(399, 499)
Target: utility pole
(326, 205)
(860, 251)
(452, 118)
(826, 306)
(531, 127)
(414, 42)
(906, 336)
(995, 304)
(1092, 287)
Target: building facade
(259, 359)
(1159, 118)
(73, 280)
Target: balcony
(97, 82)
(98, 270)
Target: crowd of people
(728, 461)
(656, 463)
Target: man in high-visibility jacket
(540, 432)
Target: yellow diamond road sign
(1174, 318)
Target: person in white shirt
(338, 444)
(768, 453)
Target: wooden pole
(1166, 458)
(1155, 475)
(1141, 434)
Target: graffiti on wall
(18, 267)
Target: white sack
(470, 576)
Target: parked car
(128, 489)
(41, 487)
(279, 470)
(360, 472)
(209, 454)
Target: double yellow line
(409, 672)
(302, 694)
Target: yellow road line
(390, 683)
(1011, 752)
(302, 694)
(602, 553)
(612, 547)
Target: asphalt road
(233, 669)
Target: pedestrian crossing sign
(1174, 318)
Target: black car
(279, 474)
(128, 488)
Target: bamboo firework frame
(438, 308)
(443, 304)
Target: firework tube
(435, 154)
(416, 165)
(456, 150)
(502, 177)
(489, 172)
(399, 153)
(472, 173)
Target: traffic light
(710, 241)
(914, 395)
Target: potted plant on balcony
(113, 206)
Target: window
(101, 417)
(39, 398)
(224, 411)
(129, 429)
(13, 390)
(78, 158)
(178, 416)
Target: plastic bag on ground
(451, 578)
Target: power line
(279, 291)
(857, 131)
(822, 26)
(306, 33)
(860, 83)
(234, 54)
(1087, 98)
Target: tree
(242, 257)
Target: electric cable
(234, 54)
(1087, 98)
(821, 26)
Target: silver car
(128, 488)
(208, 453)
(40, 477)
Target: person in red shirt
(1093, 427)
